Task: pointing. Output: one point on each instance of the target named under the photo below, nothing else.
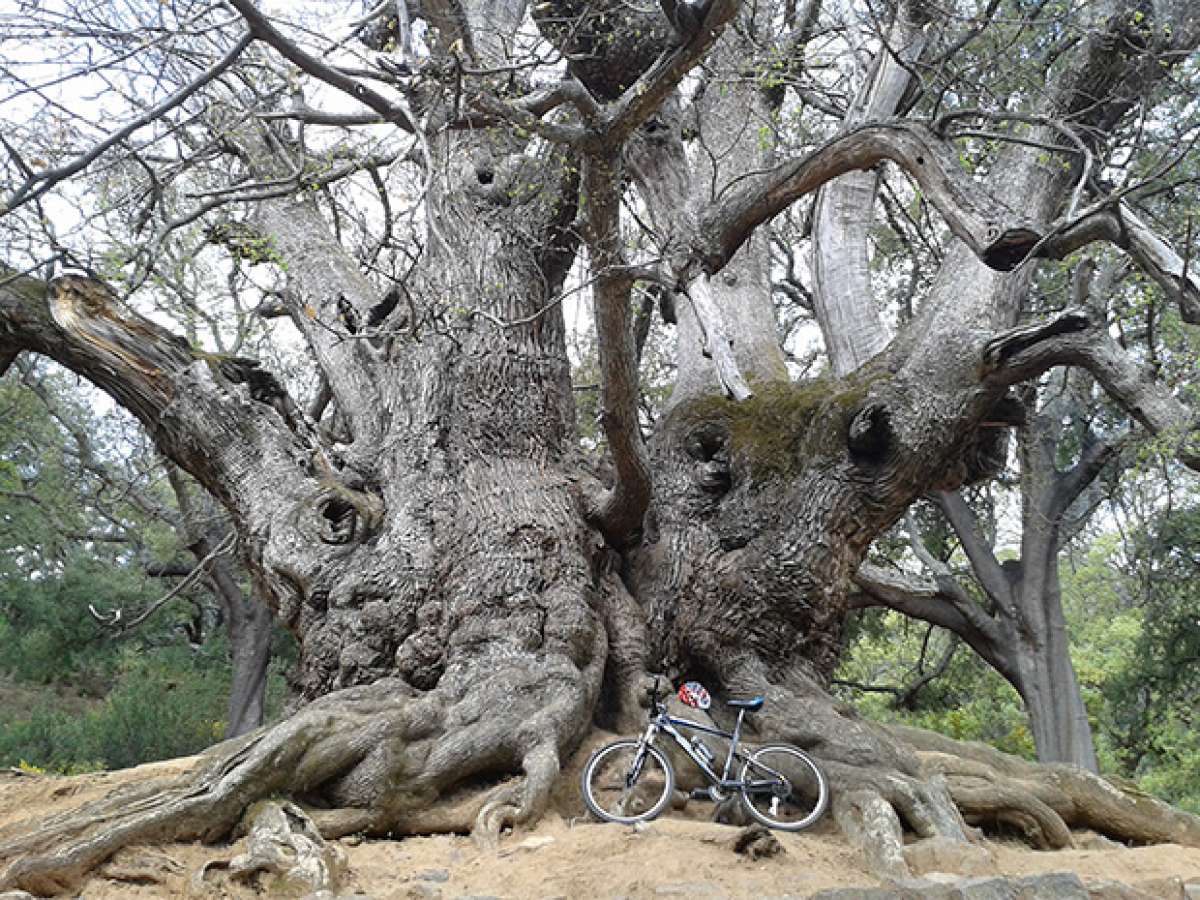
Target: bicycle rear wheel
(783, 788)
(627, 782)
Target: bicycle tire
(655, 777)
(796, 803)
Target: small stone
(439, 876)
(1115, 890)
(352, 840)
(688, 889)
(1060, 885)
(757, 842)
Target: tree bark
(844, 210)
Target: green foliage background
(73, 695)
(1134, 617)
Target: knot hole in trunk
(870, 433)
(708, 445)
(348, 516)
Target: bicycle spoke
(627, 783)
(783, 788)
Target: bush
(169, 705)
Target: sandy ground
(567, 856)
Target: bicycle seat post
(733, 744)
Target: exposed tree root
(387, 759)
(1046, 801)
(377, 759)
(285, 846)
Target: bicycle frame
(662, 721)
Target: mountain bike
(632, 780)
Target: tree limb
(262, 29)
(982, 223)
(1074, 338)
(845, 307)
(1097, 453)
(950, 609)
(642, 98)
(1118, 224)
(619, 513)
(979, 553)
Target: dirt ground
(567, 856)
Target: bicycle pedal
(700, 794)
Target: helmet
(693, 694)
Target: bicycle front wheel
(783, 788)
(627, 782)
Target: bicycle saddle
(754, 704)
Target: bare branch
(982, 223)
(262, 29)
(114, 619)
(37, 185)
(979, 552)
(931, 603)
(642, 98)
(1118, 224)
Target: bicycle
(631, 780)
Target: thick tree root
(284, 846)
(1045, 801)
(380, 759)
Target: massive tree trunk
(461, 589)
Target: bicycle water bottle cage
(754, 704)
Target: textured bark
(844, 209)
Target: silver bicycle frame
(663, 721)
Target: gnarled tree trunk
(461, 589)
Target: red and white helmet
(693, 694)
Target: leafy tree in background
(1153, 715)
(1129, 605)
(469, 599)
(88, 512)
